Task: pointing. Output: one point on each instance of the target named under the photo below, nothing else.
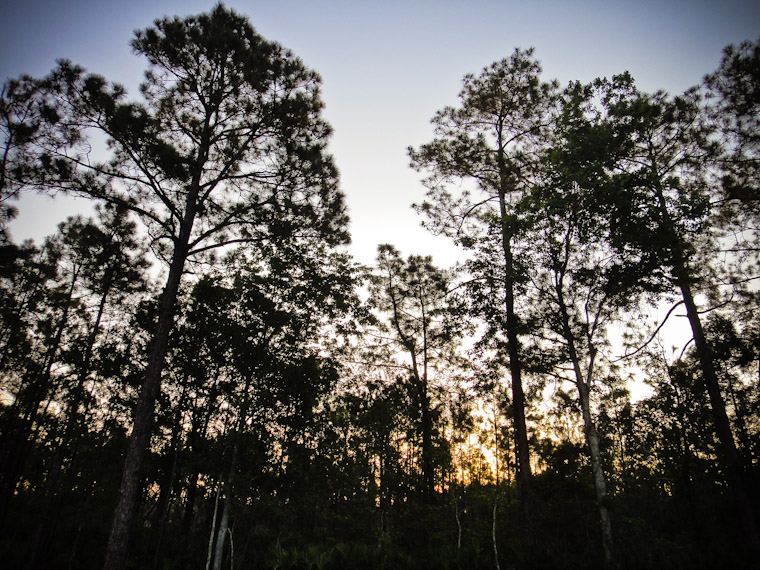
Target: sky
(387, 67)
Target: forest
(200, 376)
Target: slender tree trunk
(164, 499)
(428, 472)
(213, 528)
(224, 523)
(497, 487)
(381, 499)
(118, 541)
(187, 519)
(592, 436)
(600, 483)
(421, 383)
(224, 529)
(459, 525)
(426, 428)
(493, 529)
(427, 445)
(741, 413)
(522, 448)
(384, 490)
(198, 440)
(685, 458)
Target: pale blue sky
(387, 67)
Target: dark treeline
(199, 376)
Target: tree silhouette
(491, 142)
(227, 147)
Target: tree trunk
(118, 541)
(421, 384)
(427, 445)
(522, 448)
(600, 483)
(493, 529)
(685, 458)
(213, 528)
(459, 525)
(731, 457)
(592, 436)
(164, 498)
(592, 440)
(224, 523)
(197, 445)
(428, 470)
(187, 519)
(139, 440)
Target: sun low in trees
(489, 143)
(422, 326)
(226, 146)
